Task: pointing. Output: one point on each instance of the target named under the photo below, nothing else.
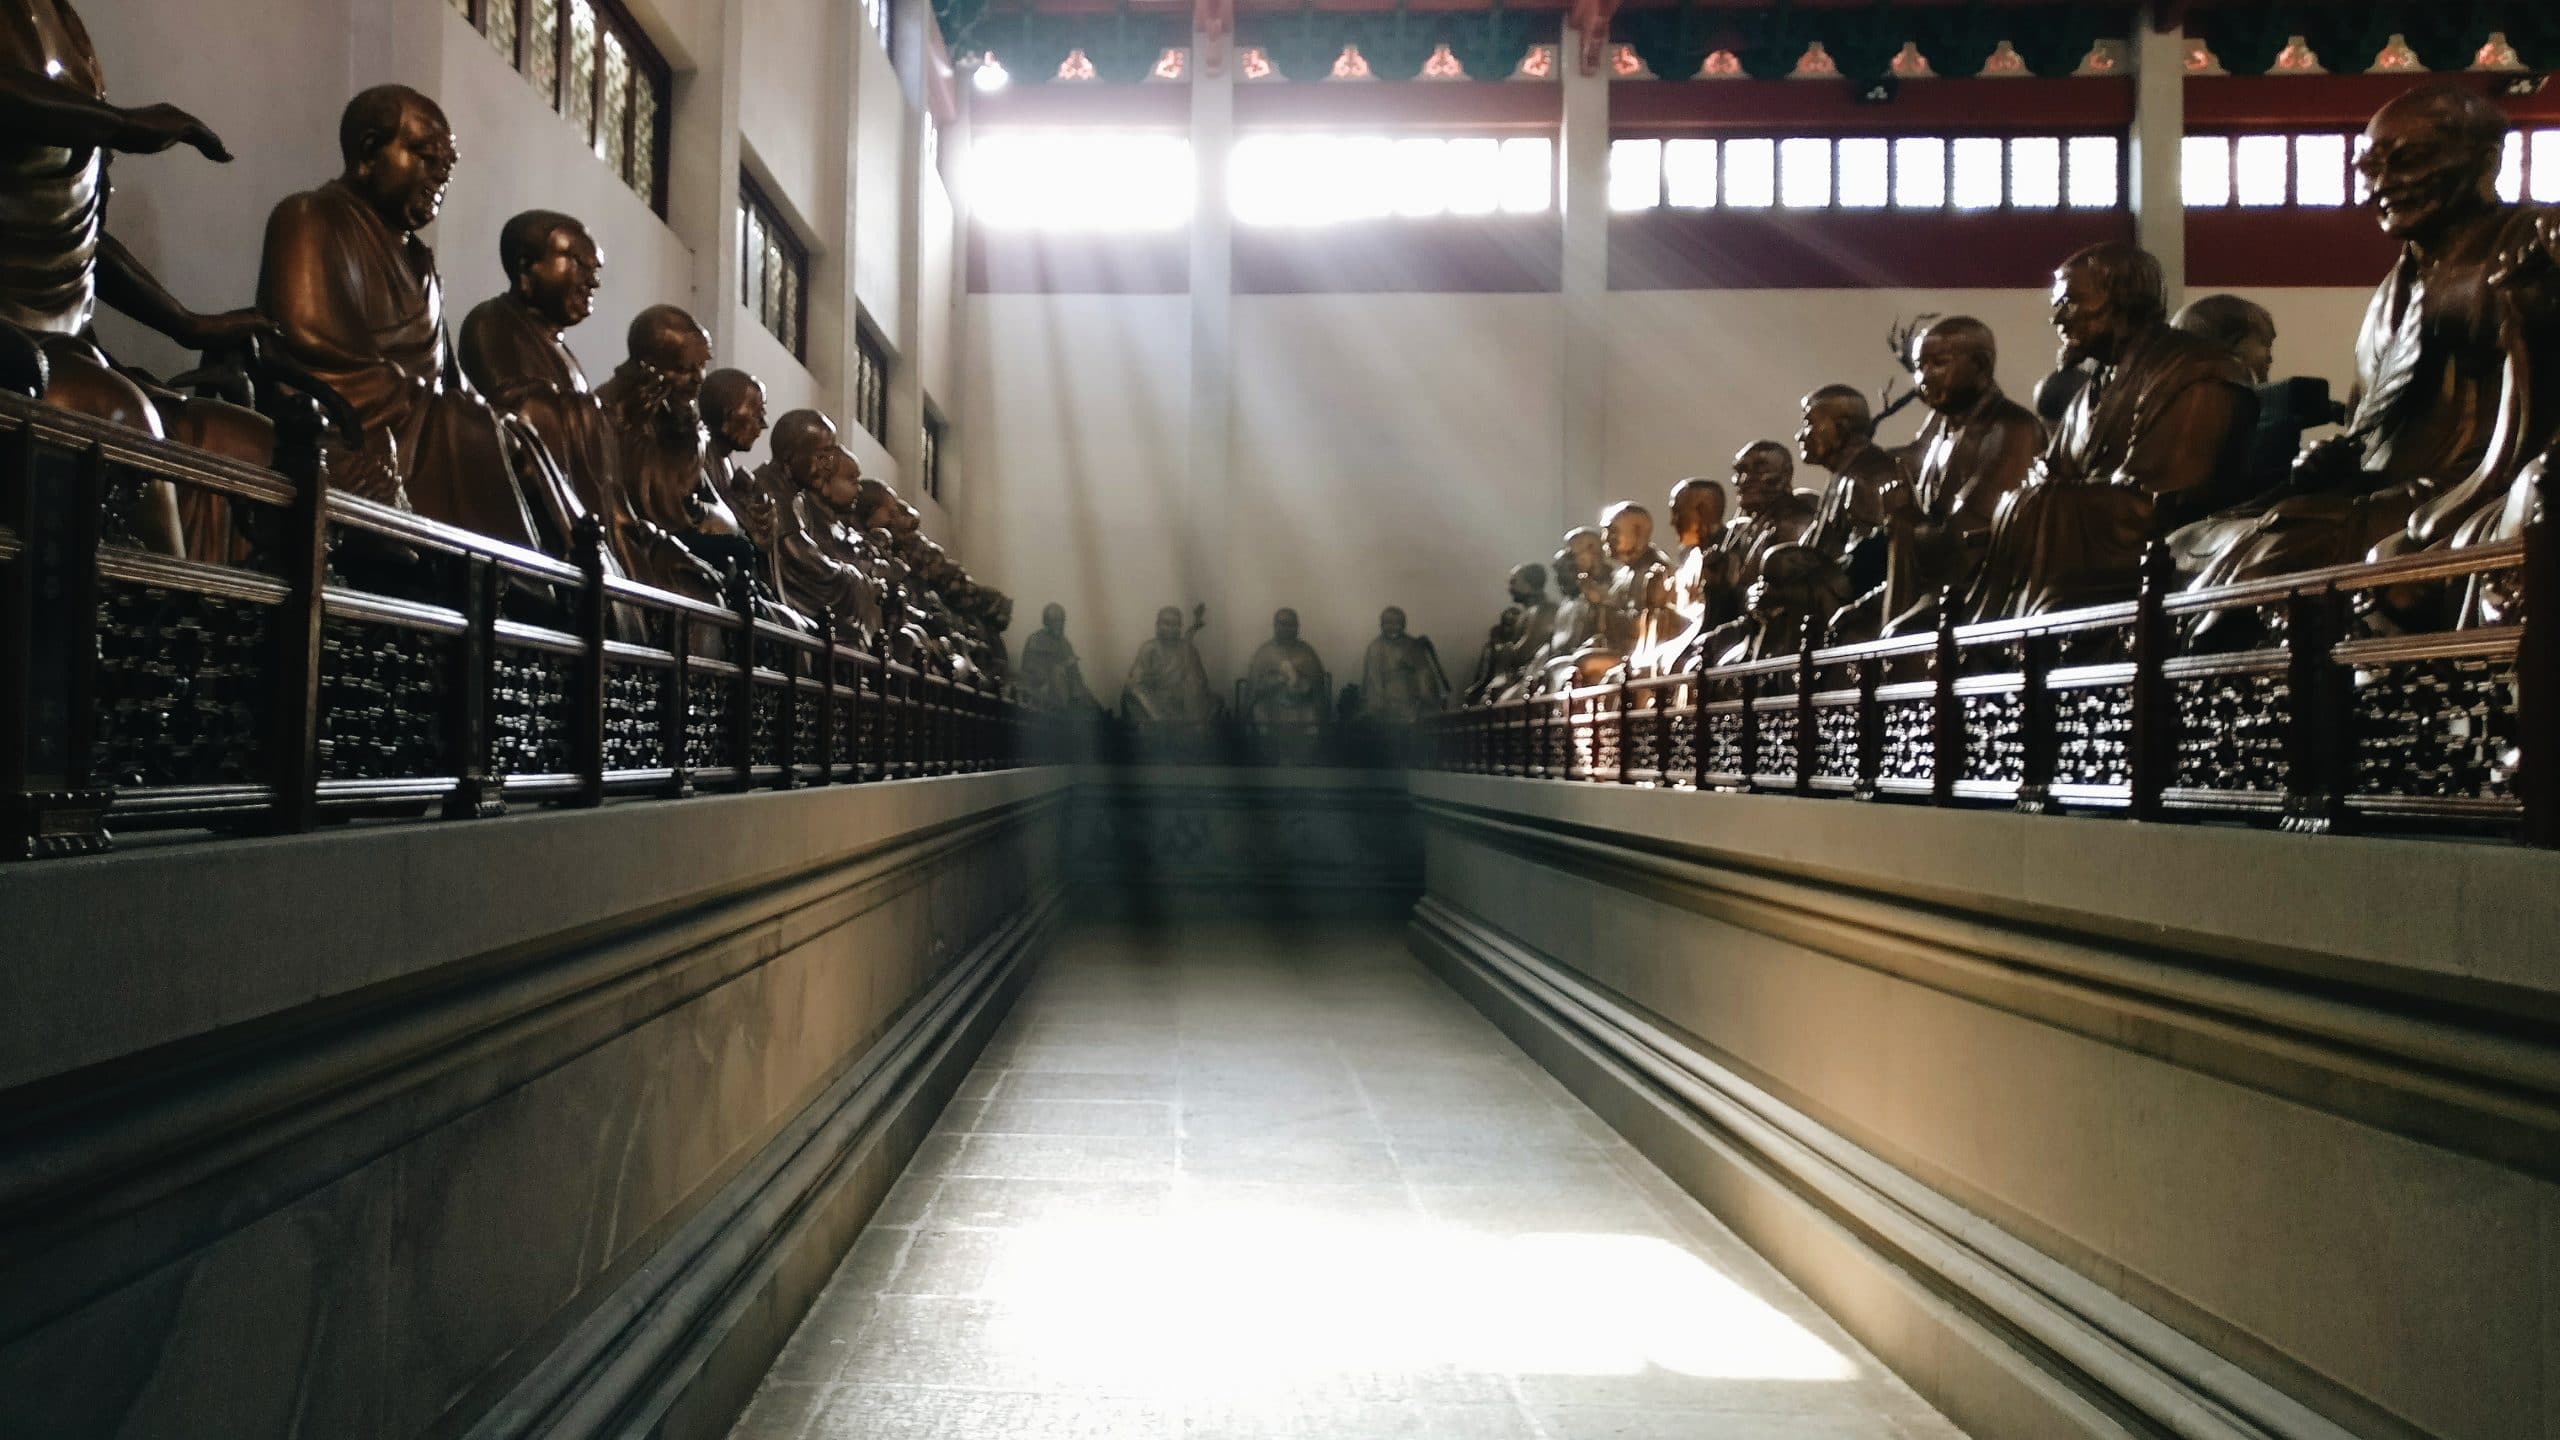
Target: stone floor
(1210, 1181)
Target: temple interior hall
(1195, 719)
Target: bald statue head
(673, 345)
(1284, 626)
(2103, 296)
(872, 502)
(552, 265)
(2243, 327)
(1587, 551)
(1764, 474)
(1956, 360)
(399, 155)
(1169, 625)
(1053, 618)
(804, 445)
(1391, 622)
(733, 406)
(2431, 157)
(1836, 422)
(1697, 510)
(1629, 527)
(1528, 583)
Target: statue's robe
(2431, 373)
(1637, 592)
(1284, 682)
(1168, 683)
(522, 366)
(1852, 507)
(758, 512)
(2148, 433)
(360, 307)
(1581, 628)
(56, 193)
(1400, 680)
(1726, 576)
(1048, 676)
(1515, 637)
(1973, 462)
(821, 565)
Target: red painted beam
(1920, 107)
(2225, 103)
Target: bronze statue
(58, 261)
(1979, 449)
(807, 468)
(733, 410)
(2461, 327)
(2155, 429)
(1576, 648)
(1774, 513)
(1400, 676)
(1167, 683)
(515, 352)
(1524, 625)
(356, 300)
(1640, 579)
(1692, 595)
(1838, 433)
(1284, 682)
(1049, 677)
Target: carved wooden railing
(346, 659)
(2319, 723)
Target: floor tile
(1217, 1184)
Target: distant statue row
(1285, 686)
(2154, 430)
(505, 438)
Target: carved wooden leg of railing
(305, 557)
(674, 715)
(2320, 695)
(2154, 720)
(478, 792)
(48, 650)
(2538, 671)
(2035, 725)
(586, 749)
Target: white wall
(1079, 408)
(1405, 449)
(773, 78)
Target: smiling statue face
(2420, 170)
(404, 179)
(1762, 476)
(1391, 623)
(562, 284)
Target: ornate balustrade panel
(2357, 695)
(313, 654)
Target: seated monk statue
(357, 302)
(58, 262)
(651, 399)
(1524, 624)
(732, 406)
(1640, 582)
(1576, 649)
(2157, 425)
(806, 475)
(1400, 676)
(1049, 677)
(1683, 608)
(1167, 683)
(1978, 451)
(1774, 513)
(1284, 682)
(2467, 316)
(1838, 433)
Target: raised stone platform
(545, 1125)
(2087, 1128)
